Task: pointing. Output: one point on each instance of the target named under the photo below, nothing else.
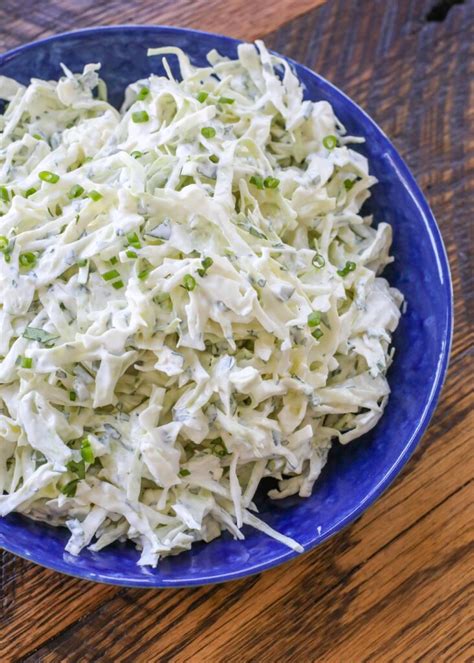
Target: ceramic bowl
(355, 475)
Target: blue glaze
(355, 475)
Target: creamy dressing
(190, 300)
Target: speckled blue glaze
(355, 475)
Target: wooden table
(395, 585)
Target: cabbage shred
(190, 300)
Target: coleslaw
(190, 300)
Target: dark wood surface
(397, 584)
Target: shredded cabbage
(190, 300)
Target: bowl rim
(413, 189)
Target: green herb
(117, 285)
(39, 335)
(38, 137)
(136, 154)
(140, 116)
(131, 254)
(111, 274)
(134, 240)
(143, 94)
(317, 333)
(348, 267)
(256, 233)
(202, 96)
(70, 488)
(184, 472)
(3, 243)
(208, 132)
(189, 282)
(214, 158)
(75, 191)
(218, 447)
(72, 396)
(4, 194)
(78, 468)
(82, 263)
(348, 184)
(143, 274)
(29, 192)
(47, 176)
(86, 451)
(7, 257)
(318, 261)
(271, 182)
(27, 259)
(257, 181)
(225, 100)
(206, 263)
(94, 195)
(113, 260)
(26, 362)
(330, 142)
(314, 319)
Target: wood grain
(396, 585)
(237, 18)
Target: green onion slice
(140, 116)
(257, 181)
(348, 267)
(111, 274)
(75, 191)
(318, 261)
(314, 319)
(208, 132)
(4, 195)
(330, 142)
(27, 259)
(143, 94)
(86, 451)
(189, 282)
(271, 182)
(47, 176)
(26, 362)
(134, 240)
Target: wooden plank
(241, 619)
(237, 18)
(36, 604)
(396, 585)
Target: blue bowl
(356, 474)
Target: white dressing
(190, 300)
